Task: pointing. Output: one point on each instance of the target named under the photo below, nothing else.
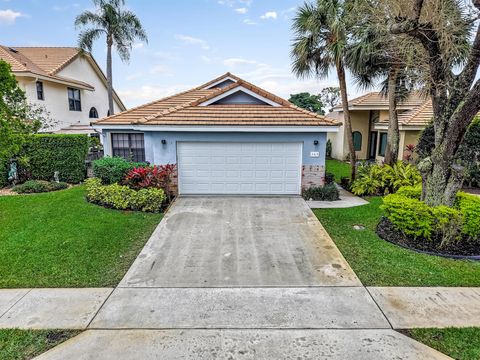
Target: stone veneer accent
(312, 175)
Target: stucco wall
(56, 96)
(360, 122)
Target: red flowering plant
(158, 176)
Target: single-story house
(369, 116)
(227, 137)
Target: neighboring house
(227, 137)
(369, 117)
(66, 81)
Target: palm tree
(121, 28)
(320, 43)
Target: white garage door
(239, 168)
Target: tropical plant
(328, 192)
(158, 176)
(320, 44)
(121, 28)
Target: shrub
(39, 186)
(47, 153)
(375, 179)
(329, 178)
(328, 192)
(113, 169)
(3, 173)
(414, 192)
(469, 206)
(122, 197)
(328, 151)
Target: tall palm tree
(121, 28)
(320, 43)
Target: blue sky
(190, 42)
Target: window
(40, 91)
(129, 146)
(74, 102)
(93, 114)
(357, 140)
(383, 144)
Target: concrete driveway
(239, 242)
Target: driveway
(239, 242)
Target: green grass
(379, 263)
(57, 239)
(338, 168)
(460, 344)
(26, 344)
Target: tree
(443, 28)
(375, 54)
(320, 43)
(330, 96)
(308, 102)
(121, 28)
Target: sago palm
(120, 27)
(320, 44)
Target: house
(227, 137)
(66, 81)
(369, 116)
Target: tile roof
(420, 116)
(186, 109)
(377, 100)
(41, 61)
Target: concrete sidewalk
(347, 200)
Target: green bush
(47, 153)
(3, 173)
(122, 197)
(328, 192)
(414, 192)
(39, 186)
(469, 206)
(415, 218)
(375, 179)
(328, 149)
(113, 169)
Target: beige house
(369, 116)
(67, 82)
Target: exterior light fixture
(315, 142)
(164, 142)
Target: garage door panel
(239, 168)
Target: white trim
(237, 89)
(189, 128)
(54, 80)
(401, 127)
(219, 82)
(376, 107)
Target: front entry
(372, 145)
(239, 168)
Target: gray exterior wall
(239, 98)
(156, 153)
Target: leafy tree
(443, 28)
(308, 102)
(121, 28)
(330, 96)
(18, 119)
(320, 43)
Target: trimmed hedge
(413, 217)
(121, 197)
(39, 186)
(47, 153)
(113, 169)
(327, 192)
(3, 173)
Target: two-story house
(66, 81)
(369, 116)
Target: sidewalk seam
(100, 308)
(381, 310)
(15, 303)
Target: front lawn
(58, 239)
(460, 344)
(338, 168)
(26, 344)
(378, 263)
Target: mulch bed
(462, 248)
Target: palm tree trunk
(346, 116)
(393, 134)
(109, 74)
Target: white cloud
(8, 17)
(193, 41)
(233, 62)
(249, 22)
(65, 7)
(139, 45)
(160, 70)
(242, 10)
(269, 15)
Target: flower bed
(411, 223)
